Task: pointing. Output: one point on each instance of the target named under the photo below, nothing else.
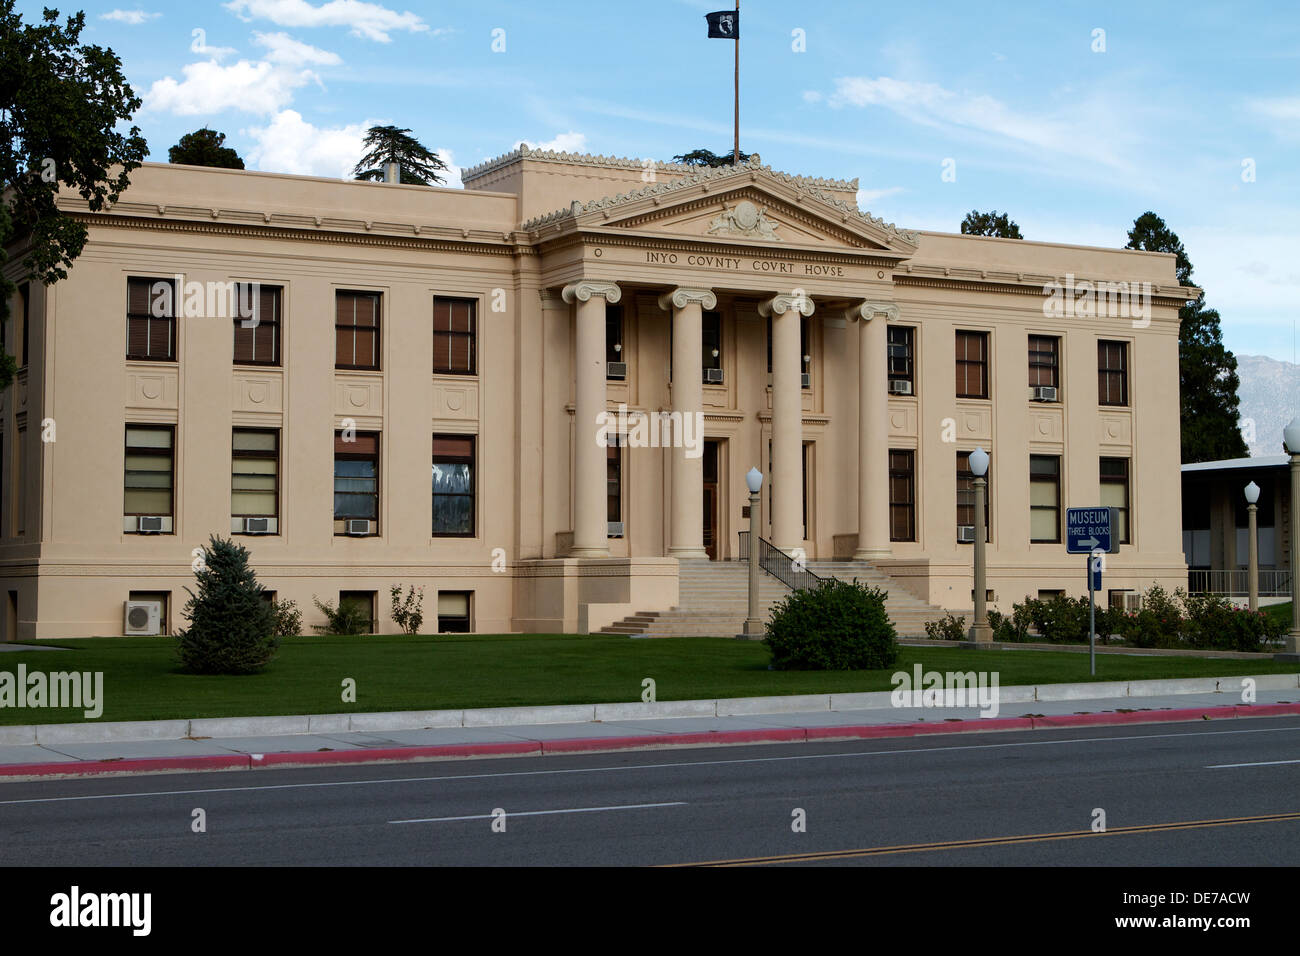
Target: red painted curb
(86, 768)
(1265, 710)
(1138, 717)
(775, 735)
(375, 755)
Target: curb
(142, 765)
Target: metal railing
(1234, 582)
(785, 568)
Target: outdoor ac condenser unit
(149, 524)
(143, 617)
(966, 534)
(358, 526)
(713, 376)
(805, 380)
(1044, 393)
(616, 370)
(900, 386)
(615, 529)
(257, 525)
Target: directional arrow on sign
(1088, 542)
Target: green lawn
(1280, 612)
(141, 680)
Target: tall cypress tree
(1207, 372)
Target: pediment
(745, 206)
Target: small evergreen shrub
(349, 618)
(286, 619)
(408, 613)
(948, 628)
(835, 626)
(232, 628)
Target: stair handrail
(784, 567)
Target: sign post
(1094, 532)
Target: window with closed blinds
(902, 495)
(1044, 360)
(1115, 491)
(356, 479)
(454, 331)
(254, 473)
(356, 330)
(148, 476)
(453, 486)
(151, 320)
(1112, 373)
(454, 612)
(972, 365)
(257, 339)
(1045, 498)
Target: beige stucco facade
(543, 245)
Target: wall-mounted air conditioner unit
(616, 371)
(805, 380)
(359, 526)
(258, 526)
(142, 617)
(965, 534)
(1044, 393)
(615, 529)
(149, 524)
(900, 386)
(713, 376)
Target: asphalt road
(1173, 795)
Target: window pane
(1043, 525)
(254, 441)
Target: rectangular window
(966, 496)
(356, 330)
(26, 293)
(454, 612)
(1044, 361)
(614, 347)
(807, 454)
(149, 475)
(20, 480)
(769, 345)
(972, 364)
(255, 477)
(257, 339)
(614, 479)
(902, 495)
(1112, 373)
(455, 326)
(363, 601)
(711, 339)
(356, 481)
(1045, 498)
(150, 320)
(453, 486)
(1115, 493)
(902, 355)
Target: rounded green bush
(836, 626)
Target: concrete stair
(714, 600)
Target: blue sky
(1073, 141)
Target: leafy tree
(60, 105)
(706, 157)
(992, 223)
(388, 144)
(1207, 372)
(232, 626)
(203, 148)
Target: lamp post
(754, 481)
(981, 635)
(1291, 437)
(1252, 546)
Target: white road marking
(1262, 763)
(541, 813)
(650, 766)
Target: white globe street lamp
(981, 635)
(1291, 437)
(1252, 547)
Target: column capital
(799, 301)
(866, 311)
(584, 289)
(681, 297)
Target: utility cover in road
(1091, 529)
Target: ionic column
(590, 519)
(873, 429)
(787, 418)
(686, 525)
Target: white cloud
(452, 175)
(284, 49)
(367, 20)
(209, 87)
(200, 46)
(812, 96)
(290, 144)
(132, 17)
(569, 142)
(867, 196)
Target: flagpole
(735, 156)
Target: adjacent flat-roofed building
(471, 390)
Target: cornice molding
(680, 298)
(583, 290)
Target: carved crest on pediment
(745, 219)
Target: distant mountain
(1270, 398)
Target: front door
(711, 499)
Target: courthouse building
(466, 390)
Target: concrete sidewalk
(72, 749)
